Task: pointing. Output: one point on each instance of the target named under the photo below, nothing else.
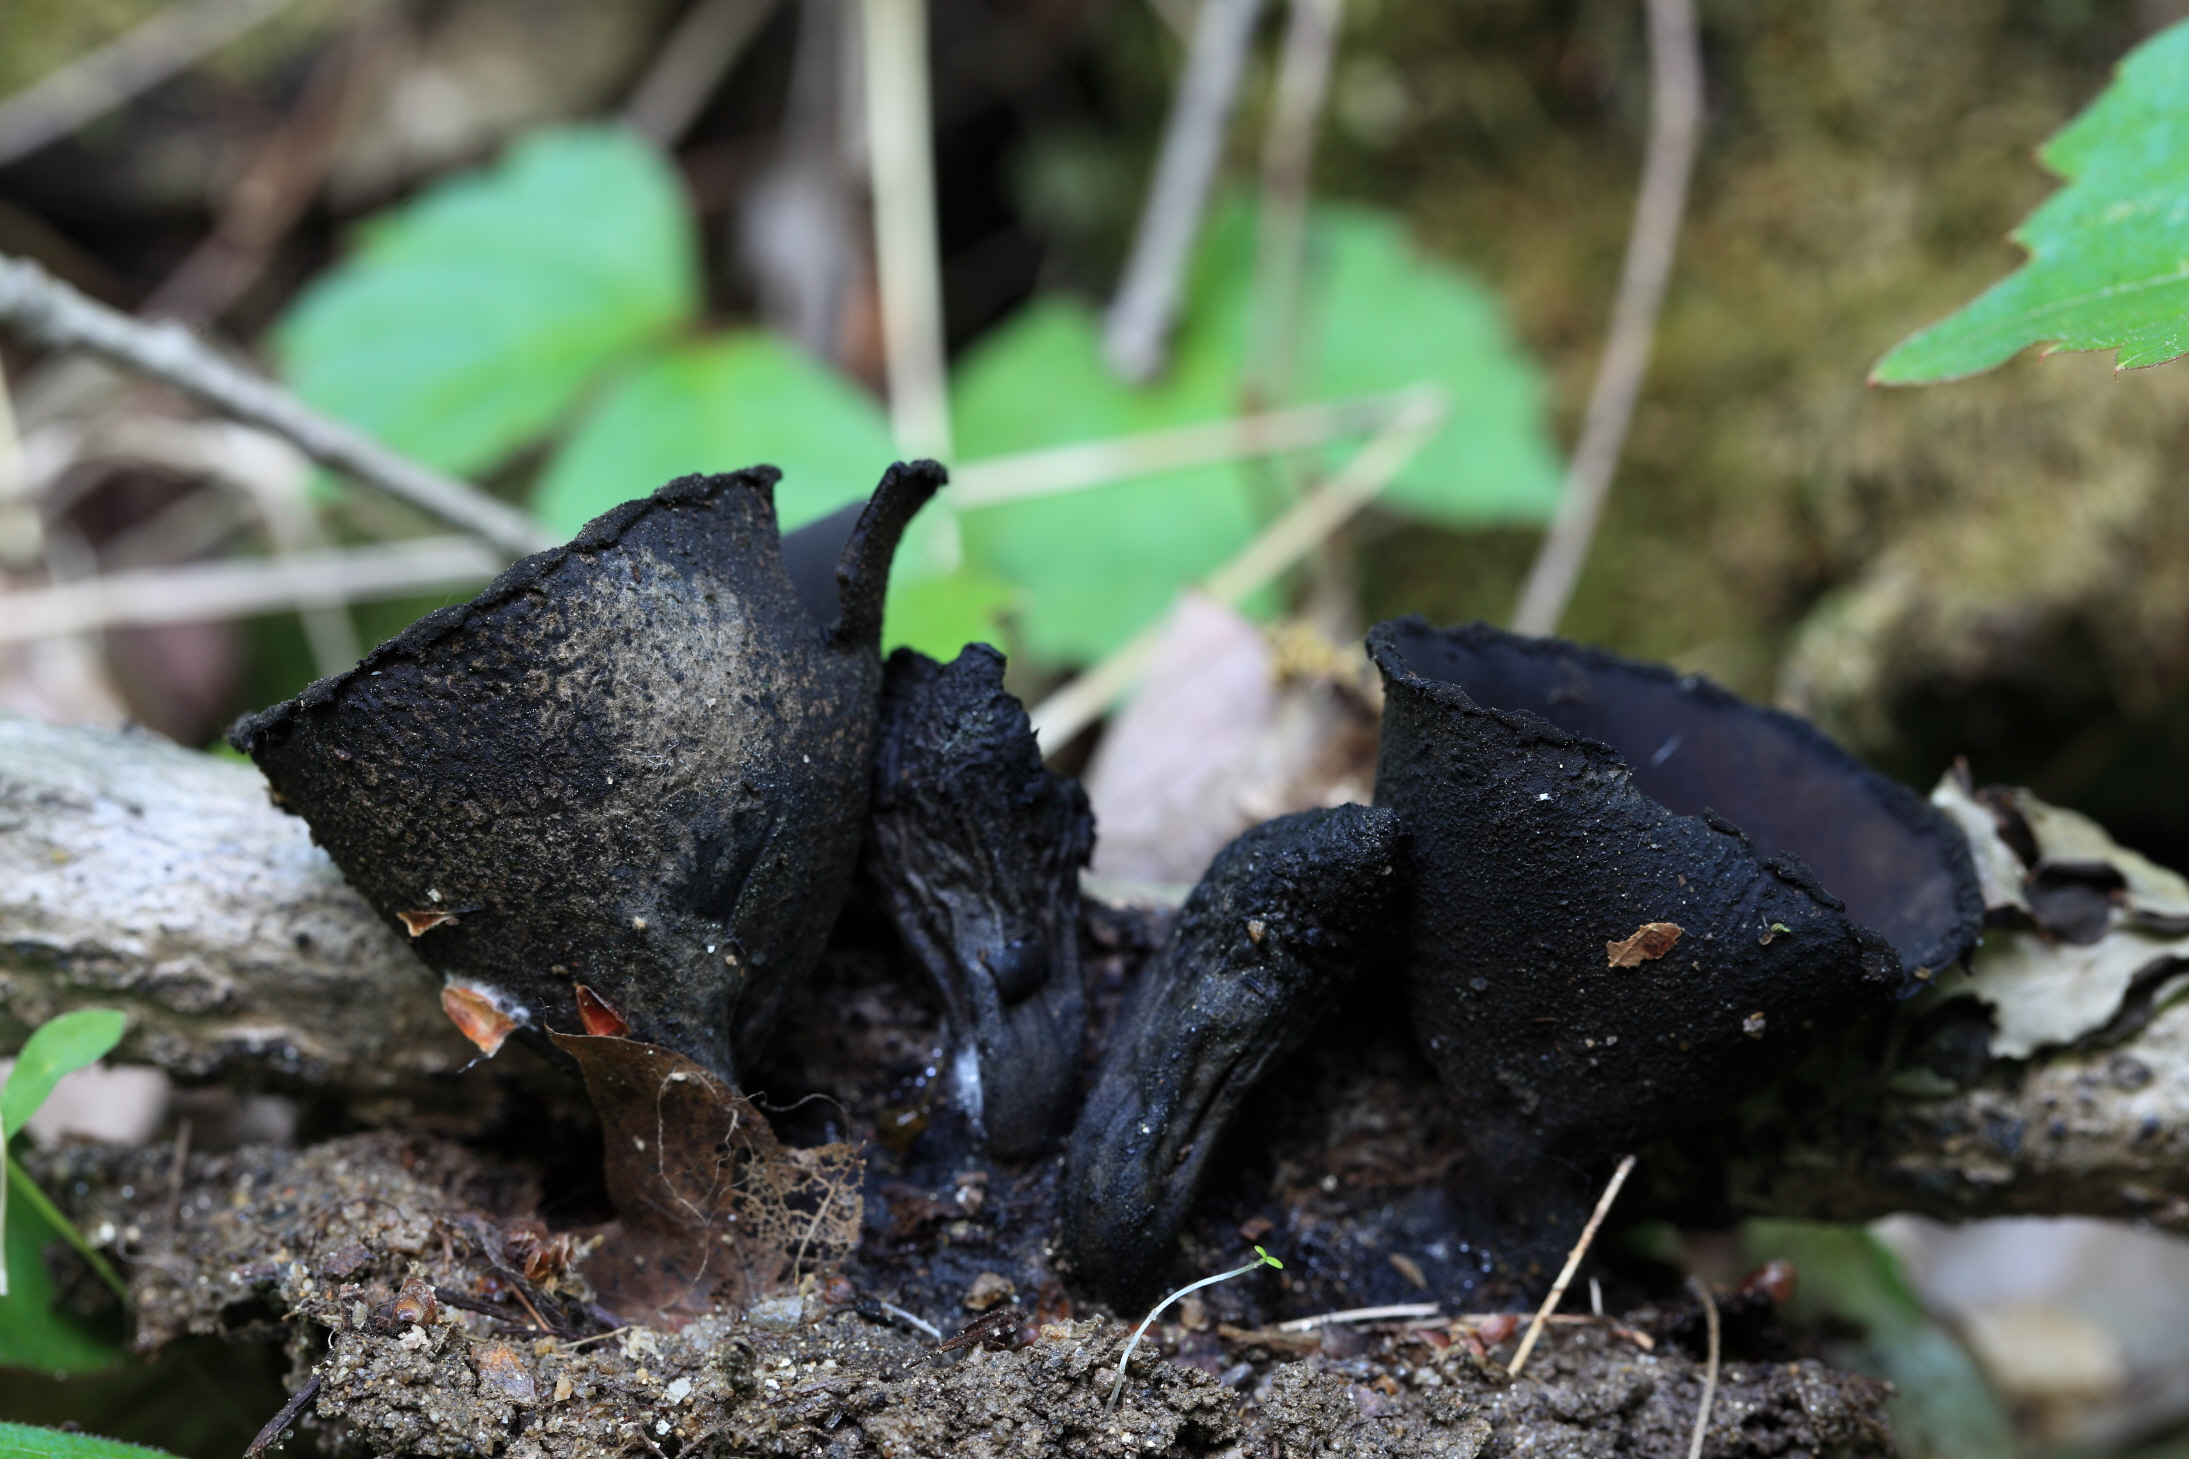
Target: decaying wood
(138, 875)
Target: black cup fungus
(636, 763)
(1634, 896)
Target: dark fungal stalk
(637, 763)
(977, 850)
(1261, 952)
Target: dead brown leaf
(712, 1209)
(419, 922)
(1651, 940)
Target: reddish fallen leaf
(479, 1016)
(599, 1016)
(712, 1210)
(1652, 940)
(419, 922)
(1775, 1279)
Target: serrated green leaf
(58, 1047)
(2109, 252)
(720, 405)
(21, 1441)
(1097, 566)
(468, 321)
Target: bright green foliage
(2109, 253)
(1099, 565)
(21, 1441)
(1944, 1407)
(61, 1046)
(32, 1333)
(730, 401)
(470, 321)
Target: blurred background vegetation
(445, 220)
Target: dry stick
(704, 45)
(919, 1322)
(1359, 1314)
(271, 1434)
(1573, 1264)
(1136, 330)
(1054, 470)
(1710, 1373)
(1288, 155)
(173, 40)
(901, 164)
(1060, 717)
(1676, 121)
(242, 588)
(51, 314)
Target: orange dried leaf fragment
(502, 1370)
(421, 922)
(479, 1017)
(600, 1017)
(1652, 940)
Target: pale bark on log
(138, 875)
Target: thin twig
(1054, 470)
(1676, 108)
(1710, 1373)
(178, 1165)
(1061, 716)
(1137, 328)
(1573, 1264)
(919, 1322)
(1359, 1314)
(51, 314)
(173, 40)
(901, 164)
(704, 45)
(271, 1434)
(1288, 155)
(244, 587)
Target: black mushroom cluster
(626, 791)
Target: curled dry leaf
(421, 922)
(712, 1210)
(478, 1015)
(601, 1018)
(1651, 940)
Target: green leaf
(60, 1046)
(1386, 315)
(2109, 253)
(21, 1441)
(941, 615)
(1097, 566)
(468, 321)
(33, 1333)
(730, 402)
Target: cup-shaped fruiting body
(635, 764)
(1260, 954)
(977, 849)
(1635, 896)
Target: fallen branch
(49, 313)
(1676, 113)
(138, 875)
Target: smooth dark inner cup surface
(1694, 746)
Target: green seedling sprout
(1261, 1259)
